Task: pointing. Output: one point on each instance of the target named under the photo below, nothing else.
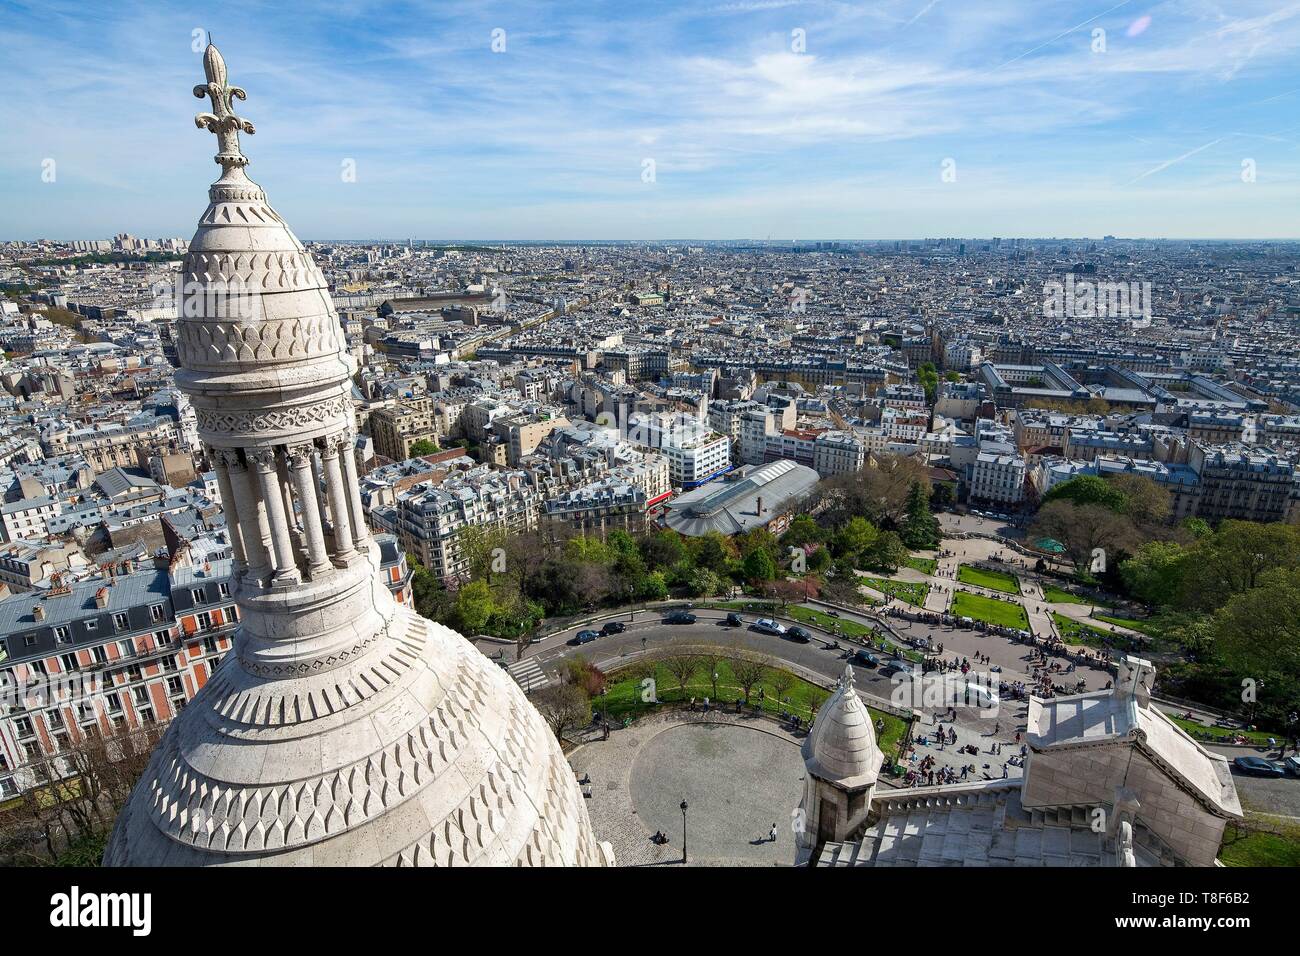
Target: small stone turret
(843, 763)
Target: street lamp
(683, 831)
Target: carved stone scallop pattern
(280, 271)
(214, 342)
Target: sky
(751, 119)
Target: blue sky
(750, 135)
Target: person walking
(771, 834)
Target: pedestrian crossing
(528, 674)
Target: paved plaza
(738, 776)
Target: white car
(768, 626)
(981, 696)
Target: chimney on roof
(38, 612)
(758, 508)
(101, 598)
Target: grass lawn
(924, 565)
(1199, 731)
(1245, 846)
(807, 615)
(989, 610)
(1144, 627)
(993, 580)
(625, 690)
(1076, 632)
(1054, 595)
(913, 594)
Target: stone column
(338, 497)
(286, 488)
(356, 511)
(301, 471)
(220, 459)
(251, 518)
(286, 568)
(318, 485)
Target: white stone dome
(418, 751)
(342, 728)
(841, 747)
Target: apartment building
(429, 518)
(397, 427)
(1243, 483)
(521, 435)
(838, 453)
(694, 459)
(998, 478)
(114, 446)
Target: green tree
(920, 526)
(887, 553)
(1154, 575)
(1088, 490)
(430, 598)
(803, 531)
(712, 551)
(1146, 502)
(422, 447)
(758, 566)
(1082, 529)
(1231, 561)
(1257, 633)
(653, 587)
(662, 549)
(757, 539)
(857, 535)
(474, 607)
(701, 582)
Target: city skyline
(797, 121)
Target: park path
(1083, 614)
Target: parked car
(979, 695)
(1292, 765)
(1258, 767)
(896, 667)
(680, 617)
(734, 620)
(766, 625)
(866, 659)
(613, 627)
(798, 634)
(583, 637)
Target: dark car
(613, 627)
(1258, 767)
(866, 659)
(798, 634)
(680, 617)
(896, 667)
(735, 620)
(583, 637)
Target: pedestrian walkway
(1036, 606)
(528, 674)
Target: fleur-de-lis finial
(222, 120)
